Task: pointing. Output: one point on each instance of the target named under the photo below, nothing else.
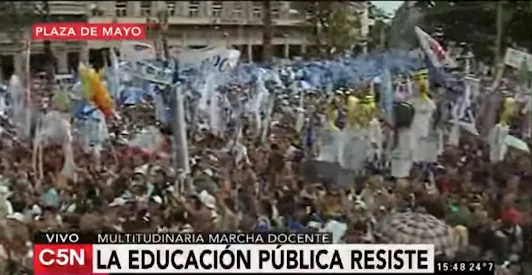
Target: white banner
(147, 71)
(218, 59)
(515, 58)
(135, 50)
(148, 139)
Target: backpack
(403, 113)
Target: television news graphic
(480, 267)
(170, 253)
(182, 238)
(88, 31)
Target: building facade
(236, 24)
(13, 41)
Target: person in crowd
(268, 188)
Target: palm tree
(267, 32)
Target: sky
(388, 6)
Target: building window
(193, 8)
(276, 6)
(73, 61)
(38, 8)
(309, 13)
(257, 10)
(121, 8)
(96, 11)
(237, 9)
(145, 8)
(217, 7)
(170, 6)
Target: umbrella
(417, 228)
(516, 143)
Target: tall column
(18, 65)
(183, 39)
(133, 8)
(1, 72)
(250, 53)
(286, 47)
(62, 61)
(158, 5)
(84, 53)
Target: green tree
(379, 30)
(334, 25)
(518, 29)
(473, 22)
(401, 34)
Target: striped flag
(433, 50)
(463, 111)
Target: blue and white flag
(386, 95)
(113, 75)
(136, 51)
(462, 110)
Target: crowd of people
(468, 206)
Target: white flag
(135, 51)
(213, 59)
(434, 50)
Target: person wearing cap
(139, 175)
(139, 188)
(158, 180)
(510, 227)
(154, 211)
(199, 211)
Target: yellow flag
(509, 108)
(84, 77)
(353, 111)
(101, 73)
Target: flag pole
(180, 147)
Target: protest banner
(217, 59)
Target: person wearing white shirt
(498, 134)
(496, 142)
(421, 127)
